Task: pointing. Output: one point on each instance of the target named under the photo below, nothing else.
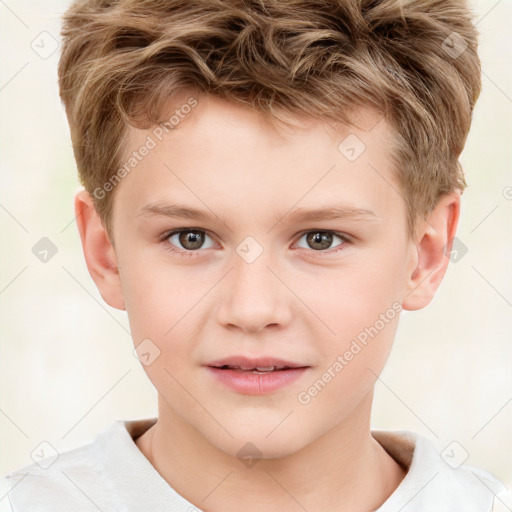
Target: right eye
(188, 241)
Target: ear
(431, 252)
(99, 253)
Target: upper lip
(249, 363)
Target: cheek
(163, 308)
(347, 299)
(152, 302)
(358, 313)
(350, 365)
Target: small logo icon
(507, 193)
(249, 454)
(457, 251)
(249, 249)
(146, 352)
(44, 455)
(454, 45)
(455, 455)
(44, 250)
(44, 44)
(351, 147)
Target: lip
(249, 383)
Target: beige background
(67, 367)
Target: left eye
(321, 240)
(190, 240)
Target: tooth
(258, 368)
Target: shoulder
(104, 474)
(77, 479)
(5, 502)
(438, 480)
(502, 501)
(52, 483)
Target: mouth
(258, 376)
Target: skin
(294, 301)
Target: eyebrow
(300, 215)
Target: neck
(346, 469)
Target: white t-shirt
(111, 474)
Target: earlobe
(430, 259)
(100, 255)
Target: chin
(256, 445)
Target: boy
(267, 185)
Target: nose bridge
(252, 296)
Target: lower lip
(257, 384)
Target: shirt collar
(430, 484)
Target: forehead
(221, 154)
(209, 118)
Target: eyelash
(169, 247)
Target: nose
(253, 297)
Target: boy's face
(253, 282)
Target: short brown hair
(415, 61)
